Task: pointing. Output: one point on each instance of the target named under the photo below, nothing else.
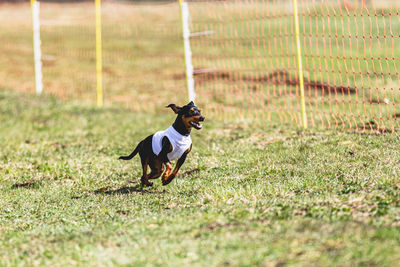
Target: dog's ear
(174, 107)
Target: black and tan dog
(161, 148)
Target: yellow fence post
(99, 73)
(300, 66)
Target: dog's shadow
(138, 188)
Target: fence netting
(16, 60)
(141, 51)
(245, 61)
(67, 35)
(243, 51)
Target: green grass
(249, 194)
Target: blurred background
(243, 52)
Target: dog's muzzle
(197, 125)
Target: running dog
(161, 148)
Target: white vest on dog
(180, 143)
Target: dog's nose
(201, 118)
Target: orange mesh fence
(143, 57)
(141, 50)
(245, 61)
(68, 50)
(244, 65)
(16, 60)
(141, 45)
(243, 51)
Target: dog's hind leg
(157, 168)
(145, 179)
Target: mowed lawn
(250, 193)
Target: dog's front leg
(166, 148)
(167, 179)
(167, 172)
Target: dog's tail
(132, 154)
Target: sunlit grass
(249, 193)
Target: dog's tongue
(196, 125)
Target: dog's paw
(146, 182)
(168, 180)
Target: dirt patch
(188, 173)
(277, 77)
(30, 184)
(374, 128)
(123, 212)
(217, 225)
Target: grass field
(249, 193)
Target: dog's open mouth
(196, 125)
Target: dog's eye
(192, 109)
